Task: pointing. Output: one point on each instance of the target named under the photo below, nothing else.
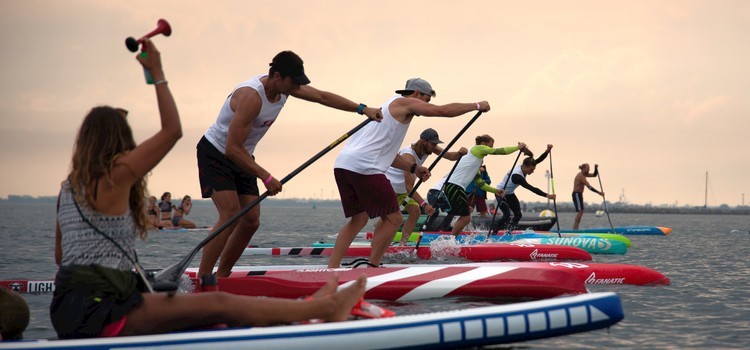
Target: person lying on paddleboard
(360, 167)
(403, 181)
(100, 211)
(508, 201)
(579, 182)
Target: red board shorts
(369, 193)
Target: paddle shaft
(606, 210)
(440, 156)
(510, 173)
(182, 265)
(554, 201)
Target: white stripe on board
(454, 282)
(375, 281)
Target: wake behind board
(477, 326)
(478, 252)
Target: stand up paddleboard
(479, 326)
(478, 252)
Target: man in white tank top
(360, 167)
(403, 181)
(227, 168)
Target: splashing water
(444, 247)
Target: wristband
(413, 168)
(422, 204)
(162, 81)
(478, 106)
(270, 177)
(361, 108)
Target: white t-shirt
(396, 175)
(217, 133)
(372, 149)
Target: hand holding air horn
(162, 27)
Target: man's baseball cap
(430, 135)
(288, 64)
(417, 84)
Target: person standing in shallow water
(227, 167)
(579, 182)
(100, 211)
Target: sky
(655, 92)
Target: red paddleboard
(588, 272)
(414, 283)
(478, 252)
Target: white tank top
(217, 133)
(511, 186)
(466, 170)
(396, 175)
(372, 149)
(439, 185)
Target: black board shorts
(217, 173)
(458, 200)
(88, 298)
(578, 201)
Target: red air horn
(162, 27)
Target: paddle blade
(168, 279)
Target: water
(706, 306)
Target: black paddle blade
(168, 277)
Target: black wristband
(413, 168)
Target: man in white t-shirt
(360, 167)
(227, 168)
(403, 181)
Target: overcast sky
(656, 92)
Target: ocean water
(706, 306)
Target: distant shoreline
(527, 206)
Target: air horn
(162, 27)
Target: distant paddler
(578, 184)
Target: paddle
(510, 173)
(554, 201)
(167, 279)
(599, 175)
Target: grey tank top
(82, 245)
